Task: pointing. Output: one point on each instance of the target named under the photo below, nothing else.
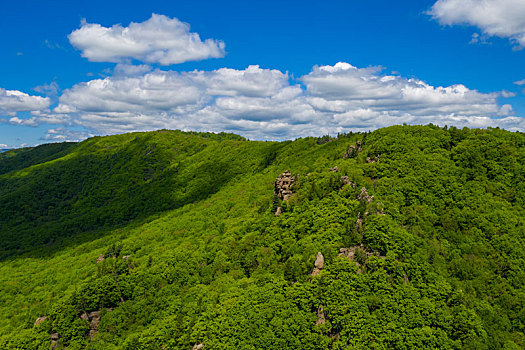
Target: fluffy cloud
(342, 88)
(160, 39)
(502, 18)
(13, 101)
(267, 104)
(223, 99)
(66, 135)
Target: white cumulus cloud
(345, 89)
(160, 39)
(13, 101)
(66, 135)
(501, 18)
(267, 104)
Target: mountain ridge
(420, 230)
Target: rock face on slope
(364, 196)
(353, 150)
(319, 264)
(372, 159)
(320, 316)
(54, 340)
(93, 325)
(94, 319)
(284, 185)
(40, 320)
(283, 188)
(350, 252)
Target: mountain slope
(421, 233)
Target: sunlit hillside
(404, 237)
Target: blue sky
(446, 62)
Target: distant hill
(405, 237)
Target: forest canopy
(404, 237)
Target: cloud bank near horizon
(268, 104)
(258, 103)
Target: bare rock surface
(353, 150)
(40, 320)
(372, 159)
(54, 340)
(319, 260)
(345, 180)
(95, 320)
(320, 316)
(319, 264)
(365, 196)
(284, 185)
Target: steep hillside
(406, 237)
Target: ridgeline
(405, 237)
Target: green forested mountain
(405, 237)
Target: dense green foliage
(193, 252)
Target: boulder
(359, 225)
(94, 316)
(335, 169)
(54, 340)
(278, 211)
(319, 264)
(364, 196)
(353, 150)
(345, 180)
(100, 258)
(372, 159)
(319, 261)
(40, 320)
(348, 253)
(198, 346)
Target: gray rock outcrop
(353, 150)
(54, 340)
(93, 325)
(345, 180)
(319, 264)
(284, 185)
(364, 196)
(320, 316)
(40, 320)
